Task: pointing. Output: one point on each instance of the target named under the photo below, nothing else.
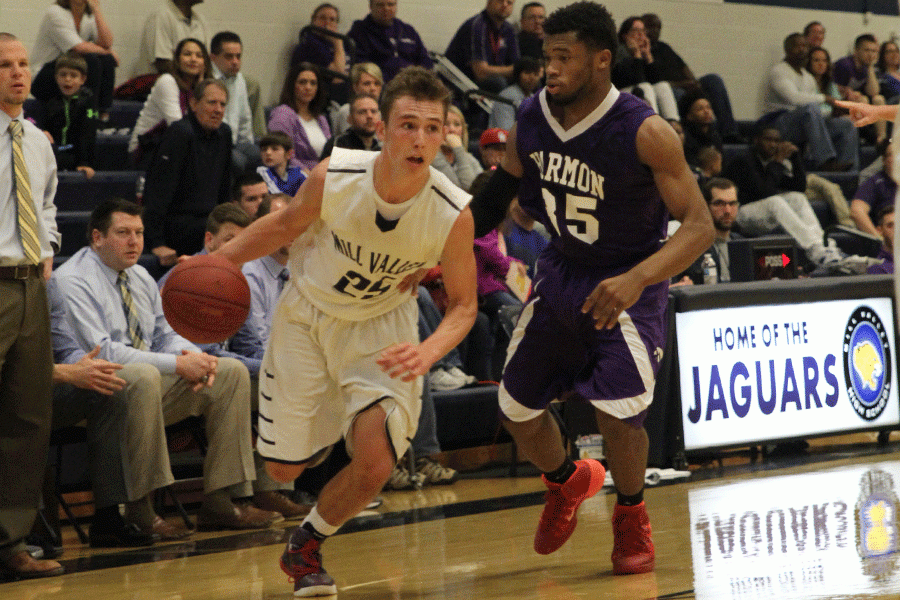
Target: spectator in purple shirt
(886, 231)
(385, 40)
(874, 193)
(856, 78)
(485, 47)
(301, 114)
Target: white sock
(319, 524)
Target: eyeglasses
(724, 203)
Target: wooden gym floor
(819, 525)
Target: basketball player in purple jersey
(602, 172)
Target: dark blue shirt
(391, 47)
(478, 39)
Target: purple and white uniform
(605, 215)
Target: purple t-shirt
(877, 191)
(587, 185)
(846, 73)
(885, 268)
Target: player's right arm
(278, 229)
(490, 205)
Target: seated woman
(301, 114)
(889, 71)
(77, 25)
(323, 50)
(633, 67)
(818, 63)
(454, 160)
(168, 99)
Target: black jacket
(73, 124)
(755, 181)
(190, 174)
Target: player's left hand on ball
(610, 298)
(403, 360)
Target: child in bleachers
(709, 162)
(276, 151)
(70, 120)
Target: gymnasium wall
(738, 41)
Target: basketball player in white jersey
(344, 359)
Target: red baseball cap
(492, 136)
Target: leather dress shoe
(116, 533)
(277, 502)
(243, 516)
(166, 532)
(24, 566)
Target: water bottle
(139, 189)
(710, 273)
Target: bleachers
(467, 417)
(77, 192)
(112, 152)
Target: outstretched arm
(866, 114)
(276, 230)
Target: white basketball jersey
(357, 256)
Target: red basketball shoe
(559, 517)
(633, 550)
(303, 564)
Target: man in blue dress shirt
(114, 303)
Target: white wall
(740, 42)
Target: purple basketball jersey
(587, 186)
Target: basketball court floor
(821, 525)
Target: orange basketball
(206, 299)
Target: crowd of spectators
(215, 158)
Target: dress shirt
(265, 288)
(65, 343)
(90, 290)
(57, 34)
(237, 111)
(42, 174)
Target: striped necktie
(134, 328)
(28, 232)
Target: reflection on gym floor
(827, 534)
